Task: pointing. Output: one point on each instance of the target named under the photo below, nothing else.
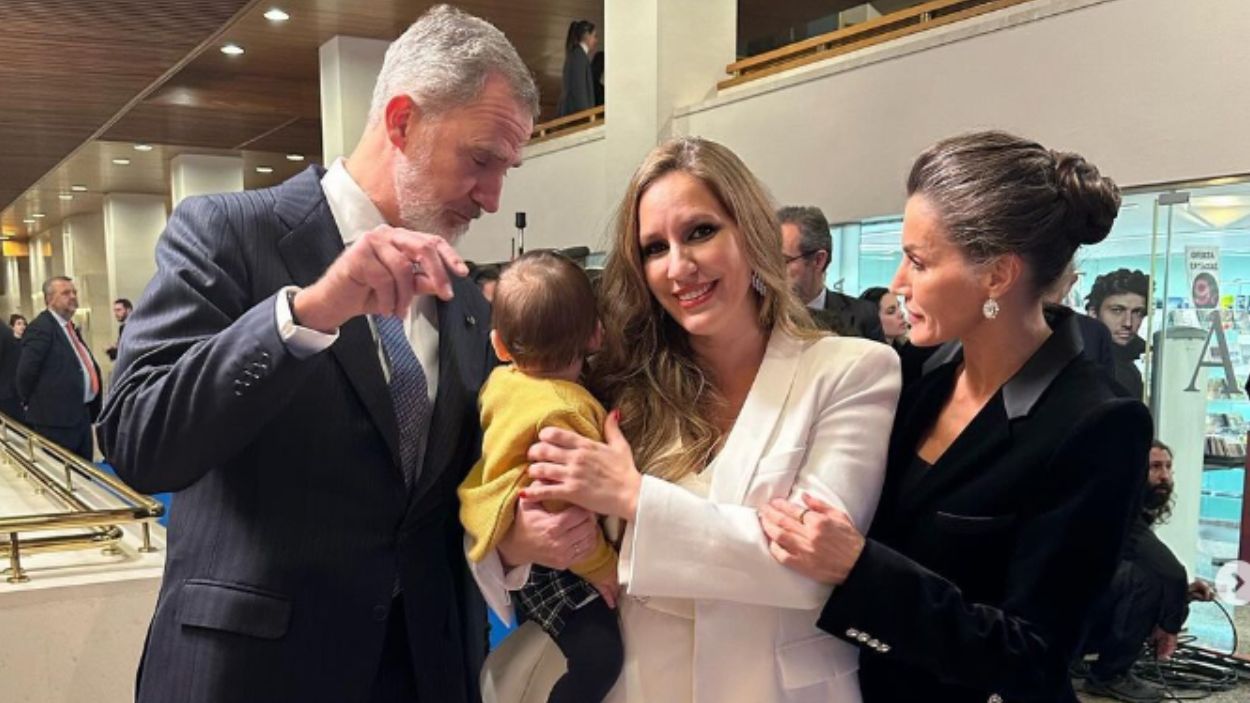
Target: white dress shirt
(818, 303)
(355, 214)
(87, 394)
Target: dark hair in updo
(999, 194)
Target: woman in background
(578, 91)
(895, 326)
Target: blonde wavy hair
(647, 368)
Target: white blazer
(817, 420)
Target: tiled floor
(1209, 625)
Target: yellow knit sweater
(514, 408)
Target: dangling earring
(757, 283)
(990, 309)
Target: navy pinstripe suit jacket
(292, 522)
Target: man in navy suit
(304, 370)
(57, 377)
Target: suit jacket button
(874, 644)
(380, 612)
(994, 698)
(884, 649)
(852, 632)
(863, 637)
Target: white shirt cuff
(302, 342)
(494, 583)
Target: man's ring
(803, 515)
(416, 268)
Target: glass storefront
(1193, 244)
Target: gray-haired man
(304, 369)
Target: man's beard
(419, 209)
(1157, 503)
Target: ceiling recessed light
(28, 221)
(66, 196)
(264, 169)
(232, 50)
(122, 162)
(78, 188)
(294, 157)
(276, 15)
(38, 215)
(143, 147)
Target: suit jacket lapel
(313, 243)
(759, 415)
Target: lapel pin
(470, 320)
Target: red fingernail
(523, 495)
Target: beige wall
(1147, 89)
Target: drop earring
(990, 309)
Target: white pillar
(200, 174)
(38, 272)
(132, 225)
(83, 244)
(13, 301)
(349, 69)
(661, 55)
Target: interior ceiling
(151, 71)
(77, 72)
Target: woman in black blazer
(1015, 464)
(578, 87)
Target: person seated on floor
(1147, 602)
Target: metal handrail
(27, 451)
(894, 25)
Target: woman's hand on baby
(599, 476)
(816, 539)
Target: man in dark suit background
(806, 246)
(304, 370)
(57, 377)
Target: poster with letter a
(1202, 264)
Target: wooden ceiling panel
(70, 66)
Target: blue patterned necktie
(409, 393)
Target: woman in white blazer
(726, 398)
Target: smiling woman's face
(691, 258)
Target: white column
(661, 55)
(349, 68)
(200, 174)
(132, 225)
(83, 244)
(38, 273)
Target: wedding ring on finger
(803, 515)
(416, 268)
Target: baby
(545, 323)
